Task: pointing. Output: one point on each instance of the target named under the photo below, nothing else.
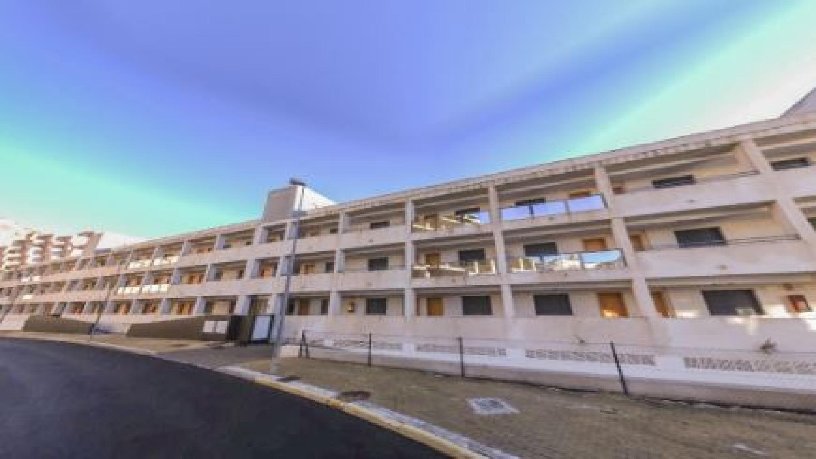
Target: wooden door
(637, 242)
(661, 305)
(433, 259)
(594, 244)
(434, 307)
(612, 305)
(303, 307)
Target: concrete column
(640, 288)
(157, 253)
(251, 268)
(186, 246)
(258, 235)
(209, 272)
(409, 254)
(501, 253)
(134, 306)
(88, 308)
(175, 277)
(785, 208)
(164, 306)
(220, 240)
(334, 303)
(198, 307)
(242, 305)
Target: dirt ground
(560, 423)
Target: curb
(369, 412)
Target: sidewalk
(557, 423)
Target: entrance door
(434, 307)
(303, 307)
(433, 259)
(612, 304)
(594, 244)
(261, 327)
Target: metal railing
(463, 268)
(697, 181)
(725, 242)
(578, 261)
(558, 207)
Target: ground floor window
(477, 306)
(552, 305)
(798, 303)
(376, 306)
(731, 302)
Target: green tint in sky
(148, 118)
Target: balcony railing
(559, 207)
(155, 288)
(578, 261)
(128, 290)
(136, 264)
(723, 242)
(166, 260)
(465, 268)
(696, 181)
(365, 269)
(450, 221)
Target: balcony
(722, 190)
(756, 255)
(363, 236)
(319, 282)
(392, 278)
(579, 266)
(455, 274)
(797, 181)
(562, 211)
(429, 226)
(155, 289)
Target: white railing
(603, 259)
(559, 207)
(449, 221)
(465, 268)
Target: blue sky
(153, 117)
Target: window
(792, 163)
(240, 274)
(376, 306)
(476, 306)
(540, 250)
(798, 303)
(377, 225)
(612, 305)
(699, 237)
(329, 267)
(332, 230)
(731, 302)
(552, 305)
(531, 202)
(324, 306)
(637, 242)
(467, 256)
(290, 308)
(812, 221)
(671, 182)
(378, 264)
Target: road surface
(65, 400)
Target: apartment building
(35, 247)
(701, 242)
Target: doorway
(434, 307)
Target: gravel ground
(560, 423)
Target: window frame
(563, 309)
(470, 309)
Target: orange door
(434, 307)
(432, 259)
(612, 304)
(594, 244)
(303, 308)
(637, 242)
(661, 305)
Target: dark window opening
(793, 163)
(540, 250)
(467, 256)
(552, 305)
(376, 306)
(731, 302)
(377, 225)
(324, 306)
(699, 237)
(378, 264)
(671, 182)
(476, 306)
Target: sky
(156, 117)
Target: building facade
(676, 248)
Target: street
(66, 400)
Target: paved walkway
(64, 400)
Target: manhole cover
(491, 406)
(289, 378)
(353, 395)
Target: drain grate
(353, 395)
(289, 378)
(490, 406)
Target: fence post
(461, 356)
(620, 371)
(369, 349)
(305, 344)
(300, 345)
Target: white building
(696, 255)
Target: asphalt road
(64, 400)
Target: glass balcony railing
(579, 261)
(560, 207)
(463, 268)
(443, 222)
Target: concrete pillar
(164, 306)
(220, 240)
(134, 307)
(258, 235)
(186, 247)
(508, 302)
(334, 303)
(242, 305)
(88, 307)
(175, 277)
(640, 288)
(251, 268)
(198, 307)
